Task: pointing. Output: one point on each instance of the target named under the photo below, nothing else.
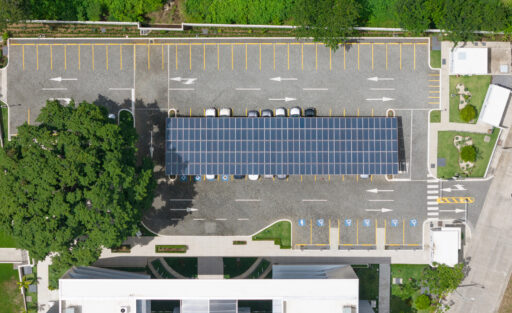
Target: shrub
(5, 36)
(422, 302)
(171, 248)
(468, 113)
(468, 153)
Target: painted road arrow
(187, 81)
(453, 211)
(376, 79)
(378, 190)
(285, 99)
(383, 99)
(187, 209)
(383, 210)
(59, 79)
(280, 79)
(457, 188)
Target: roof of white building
(469, 61)
(445, 243)
(494, 105)
(107, 295)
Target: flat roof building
(494, 105)
(469, 61)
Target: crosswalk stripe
(432, 186)
(433, 208)
(432, 181)
(432, 203)
(432, 191)
(432, 214)
(432, 197)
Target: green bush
(468, 153)
(468, 113)
(422, 302)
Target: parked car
(211, 112)
(282, 176)
(225, 112)
(295, 112)
(280, 112)
(210, 177)
(253, 113)
(310, 112)
(267, 113)
(253, 177)
(239, 176)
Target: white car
(225, 112)
(280, 112)
(295, 112)
(211, 177)
(211, 112)
(253, 177)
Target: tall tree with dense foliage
(327, 21)
(70, 184)
(443, 279)
(412, 15)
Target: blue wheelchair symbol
(183, 177)
(302, 222)
(225, 178)
(366, 222)
(197, 178)
(394, 223)
(320, 222)
(348, 222)
(413, 222)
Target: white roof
(494, 105)
(300, 295)
(445, 245)
(469, 61)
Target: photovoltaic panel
(281, 145)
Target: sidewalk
(12, 255)
(45, 296)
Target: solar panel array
(281, 145)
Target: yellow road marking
(92, 51)
(450, 200)
(162, 46)
(135, 57)
(78, 57)
(310, 231)
(51, 58)
(344, 57)
(330, 59)
(433, 86)
(106, 55)
(339, 239)
(386, 56)
(403, 232)
(431, 97)
(288, 49)
(149, 58)
(190, 56)
(372, 57)
(65, 58)
(23, 56)
(232, 65)
(177, 56)
(302, 56)
(372, 112)
(433, 74)
(316, 57)
(358, 57)
(120, 57)
(433, 91)
(329, 231)
(376, 231)
(28, 116)
(414, 57)
(274, 46)
(246, 57)
(344, 112)
(357, 225)
(342, 177)
(434, 80)
(400, 56)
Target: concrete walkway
(3, 85)
(210, 268)
(12, 255)
(46, 298)
(384, 287)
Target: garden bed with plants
(171, 248)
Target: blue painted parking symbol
(320, 222)
(413, 222)
(183, 177)
(302, 222)
(225, 178)
(197, 178)
(366, 222)
(348, 222)
(394, 223)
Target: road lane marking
(221, 219)
(314, 200)
(242, 219)
(247, 200)
(381, 200)
(382, 89)
(432, 214)
(37, 57)
(315, 89)
(181, 89)
(119, 88)
(432, 197)
(432, 202)
(23, 56)
(432, 191)
(121, 57)
(54, 89)
(433, 208)
(432, 186)
(199, 219)
(248, 89)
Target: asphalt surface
(150, 77)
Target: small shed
(469, 61)
(445, 244)
(494, 105)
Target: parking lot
(363, 78)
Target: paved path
(46, 298)
(3, 85)
(210, 268)
(11, 255)
(384, 287)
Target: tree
(327, 21)
(412, 15)
(443, 279)
(70, 185)
(10, 12)
(468, 153)
(468, 113)
(422, 302)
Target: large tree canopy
(71, 185)
(327, 21)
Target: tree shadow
(401, 146)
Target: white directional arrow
(59, 79)
(187, 209)
(376, 79)
(383, 99)
(280, 79)
(378, 190)
(383, 210)
(285, 99)
(187, 81)
(453, 211)
(456, 188)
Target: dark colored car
(311, 112)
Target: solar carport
(281, 145)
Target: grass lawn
(3, 114)
(446, 149)
(185, 266)
(477, 86)
(10, 295)
(236, 266)
(6, 241)
(381, 13)
(280, 232)
(435, 116)
(368, 282)
(404, 271)
(435, 58)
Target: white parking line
(248, 89)
(432, 186)
(54, 89)
(315, 89)
(432, 191)
(120, 89)
(433, 208)
(432, 197)
(432, 181)
(247, 200)
(432, 214)
(381, 200)
(383, 89)
(182, 89)
(314, 200)
(199, 219)
(432, 202)
(221, 219)
(242, 219)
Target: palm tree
(25, 282)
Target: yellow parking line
(177, 55)
(23, 56)
(78, 57)
(302, 56)
(372, 57)
(329, 231)
(149, 57)
(358, 57)
(431, 97)
(414, 56)
(433, 91)
(316, 57)
(135, 57)
(403, 232)
(385, 232)
(433, 103)
(339, 239)
(344, 57)
(232, 64)
(28, 116)
(162, 46)
(434, 80)
(433, 74)
(106, 55)
(342, 177)
(190, 55)
(386, 56)
(357, 225)
(65, 58)
(400, 56)
(288, 49)
(121, 57)
(260, 57)
(330, 59)
(433, 86)
(274, 46)
(51, 57)
(310, 231)
(246, 57)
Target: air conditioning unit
(124, 309)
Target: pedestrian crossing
(432, 196)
